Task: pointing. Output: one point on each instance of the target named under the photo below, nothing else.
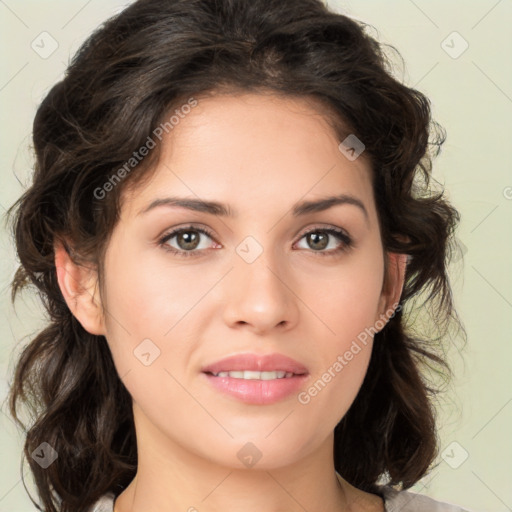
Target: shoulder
(408, 501)
(104, 504)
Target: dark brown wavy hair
(126, 79)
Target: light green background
(471, 97)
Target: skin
(260, 154)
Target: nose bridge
(258, 291)
(258, 267)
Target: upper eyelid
(325, 227)
(175, 231)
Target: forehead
(252, 148)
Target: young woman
(230, 224)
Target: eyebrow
(223, 210)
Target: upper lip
(258, 363)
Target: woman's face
(256, 284)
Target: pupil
(186, 237)
(316, 236)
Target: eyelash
(347, 242)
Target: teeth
(250, 375)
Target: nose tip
(257, 297)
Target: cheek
(347, 303)
(346, 299)
(149, 299)
(145, 311)
(341, 369)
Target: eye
(319, 239)
(188, 239)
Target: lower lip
(255, 391)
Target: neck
(170, 478)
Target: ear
(393, 284)
(78, 285)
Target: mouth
(255, 375)
(255, 379)
(255, 366)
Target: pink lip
(256, 391)
(254, 362)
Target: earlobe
(78, 285)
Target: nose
(260, 295)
